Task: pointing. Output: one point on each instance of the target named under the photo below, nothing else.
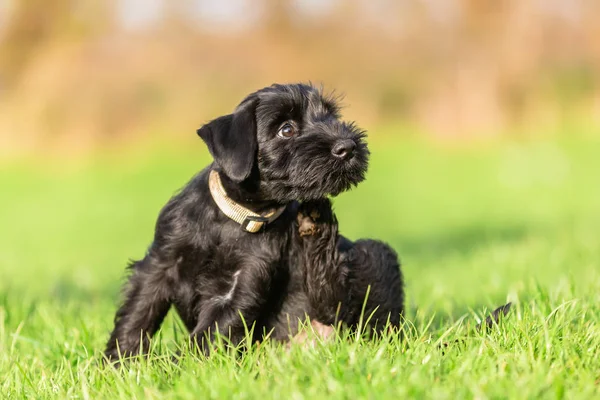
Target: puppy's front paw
(321, 332)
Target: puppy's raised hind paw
(307, 225)
(313, 214)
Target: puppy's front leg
(325, 278)
(146, 305)
(229, 313)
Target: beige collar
(248, 219)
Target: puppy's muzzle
(344, 149)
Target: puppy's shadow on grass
(426, 251)
(458, 242)
(66, 289)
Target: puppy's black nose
(344, 149)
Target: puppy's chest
(245, 257)
(251, 267)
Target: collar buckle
(254, 218)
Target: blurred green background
(78, 75)
(484, 125)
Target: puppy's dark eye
(287, 130)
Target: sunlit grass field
(475, 227)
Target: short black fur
(283, 145)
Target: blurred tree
(31, 25)
(278, 16)
(36, 23)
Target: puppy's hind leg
(375, 284)
(141, 314)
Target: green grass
(474, 228)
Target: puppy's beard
(317, 180)
(332, 177)
(348, 176)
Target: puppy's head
(289, 143)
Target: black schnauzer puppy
(251, 241)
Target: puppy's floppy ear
(231, 139)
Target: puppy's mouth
(344, 174)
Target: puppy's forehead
(296, 99)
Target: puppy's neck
(247, 194)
